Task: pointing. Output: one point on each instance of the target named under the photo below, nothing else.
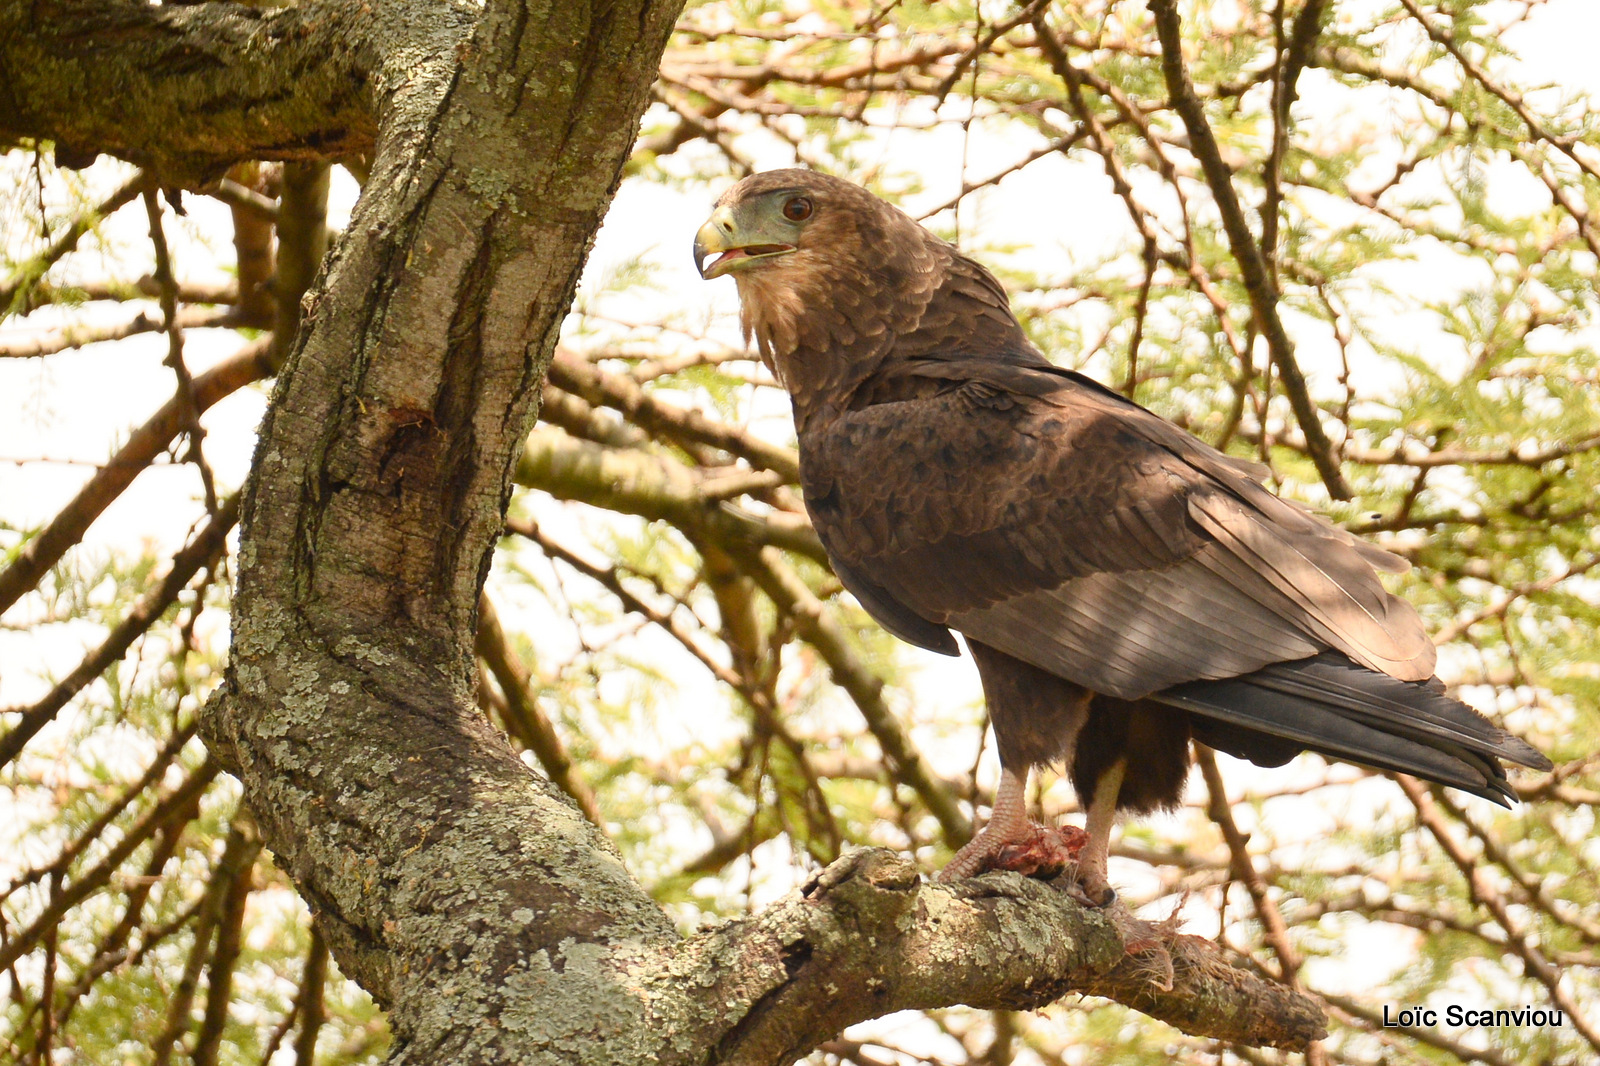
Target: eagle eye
(797, 208)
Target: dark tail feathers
(1332, 706)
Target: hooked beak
(724, 237)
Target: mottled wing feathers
(972, 495)
(1059, 523)
(1330, 589)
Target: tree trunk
(467, 896)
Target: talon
(1011, 842)
(1090, 888)
(1092, 884)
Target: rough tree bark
(466, 894)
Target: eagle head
(820, 263)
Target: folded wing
(1063, 525)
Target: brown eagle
(1123, 587)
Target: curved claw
(1011, 842)
(1093, 889)
(1035, 851)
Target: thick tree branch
(302, 242)
(189, 89)
(447, 878)
(253, 247)
(638, 482)
(867, 937)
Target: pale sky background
(62, 414)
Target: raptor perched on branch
(1123, 587)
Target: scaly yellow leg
(1008, 823)
(1102, 816)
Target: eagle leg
(1102, 816)
(1007, 825)
(1036, 718)
(1011, 842)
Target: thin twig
(14, 289)
(238, 853)
(45, 549)
(67, 338)
(1536, 965)
(531, 725)
(94, 878)
(238, 868)
(91, 833)
(1244, 870)
(1285, 88)
(202, 551)
(1257, 281)
(188, 407)
(312, 1011)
